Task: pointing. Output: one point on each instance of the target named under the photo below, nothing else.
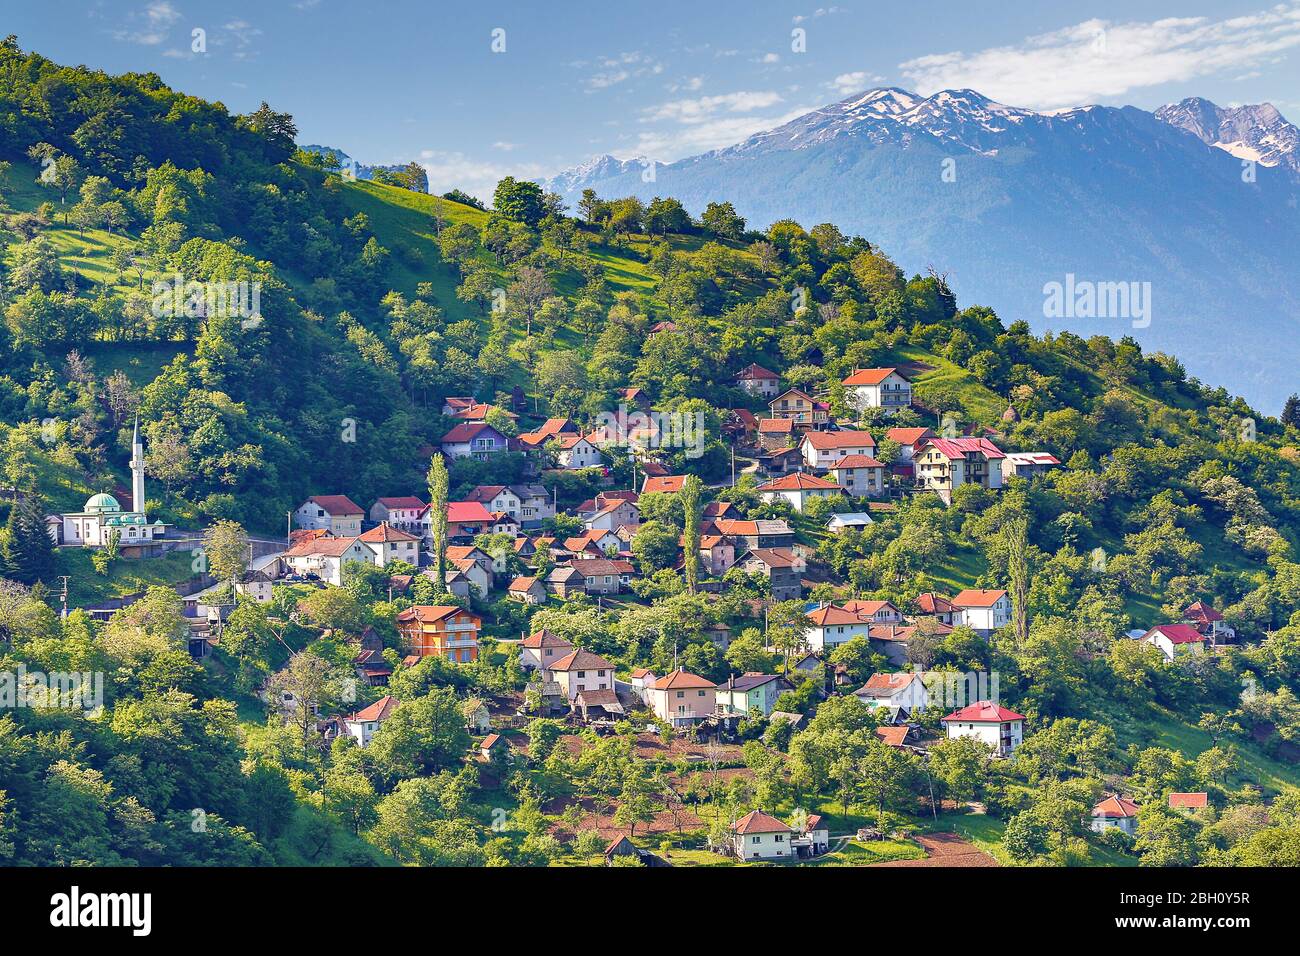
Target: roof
(597, 567)
(681, 680)
(793, 719)
(459, 511)
(491, 740)
(522, 583)
(329, 547)
(800, 482)
(956, 449)
(857, 461)
(1176, 633)
(908, 436)
(384, 532)
(885, 685)
(600, 697)
(1115, 807)
(872, 376)
(752, 372)
(428, 613)
(408, 501)
(464, 433)
(750, 680)
(893, 736)
(544, 638)
(379, 710)
(668, 483)
(932, 603)
(831, 615)
(984, 712)
(1202, 612)
(868, 608)
(1032, 458)
(978, 598)
(849, 518)
(793, 391)
(774, 557)
(478, 412)
(776, 425)
(756, 821)
(336, 505)
(1188, 801)
(581, 660)
(843, 438)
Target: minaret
(137, 470)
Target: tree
(27, 552)
(1291, 411)
(1017, 544)
(226, 546)
(422, 736)
(787, 625)
(518, 200)
(527, 293)
(438, 482)
(721, 220)
(308, 684)
(690, 498)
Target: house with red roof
(1189, 801)
(1000, 728)
(983, 610)
(1209, 622)
(1175, 640)
(324, 557)
(682, 698)
(1115, 812)
(832, 626)
(886, 388)
(1028, 464)
(799, 407)
(401, 512)
(945, 464)
(542, 648)
(466, 519)
(389, 544)
(799, 489)
(580, 670)
(444, 630)
(821, 450)
(776, 434)
(473, 440)
(909, 441)
(573, 452)
(366, 722)
(758, 381)
(861, 475)
(903, 691)
(666, 484)
(337, 514)
(758, 836)
(932, 604)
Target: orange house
(443, 630)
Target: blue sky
(419, 79)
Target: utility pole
(64, 614)
(288, 528)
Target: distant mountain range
(1195, 203)
(360, 170)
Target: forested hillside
(377, 303)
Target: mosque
(94, 525)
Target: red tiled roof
(459, 511)
(843, 438)
(1115, 807)
(908, 436)
(1202, 612)
(872, 376)
(800, 482)
(857, 461)
(428, 613)
(932, 603)
(886, 685)
(983, 712)
(681, 680)
(336, 505)
(753, 373)
(867, 608)
(1189, 801)
(379, 710)
(893, 736)
(543, 638)
(467, 432)
(756, 821)
(956, 449)
(831, 615)
(776, 424)
(978, 598)
(581, 660)
(1177, 633)
(668, 483)
(384, 532)
(409, 501)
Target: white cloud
(452, 170)
(847, 83)
(150, 26)
(702, 108)
(818, 14)
(1097, 59)
(771, 58)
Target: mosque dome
(101, 503)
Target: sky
(477, 91)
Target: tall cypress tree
(1291, 411)
(28, 551)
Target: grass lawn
(127, 576)
(855, 853)
(1256, 767)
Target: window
(681, 694)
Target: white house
(798, 489)
(909, 441)
(364, 723)
(473, 440)
(757, 836)
(325, 557)
(581, 670)
(886, 388)
(576, 451)
(900, 691)
(542, 649)
(642, 680)
(983, 610)
(682, 698)
(861, 475)
(1175, 640)
(822, 449)
(614, 515)
(1002, 729)
(387, 544)
(337, 514)
(403, 513)
(1115, 812)
(832, 626)
(758, 381)
(856, 520)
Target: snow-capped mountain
(596, 170)
(1008, 200)
(1258, 133)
